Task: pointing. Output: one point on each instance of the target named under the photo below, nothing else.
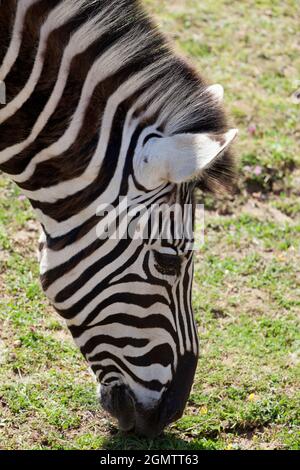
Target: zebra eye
(168, 264)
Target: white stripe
(184, 313)
(116, 375)
(16, 40)
(178, 313)
(194, 325)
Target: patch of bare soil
(264, 212)
(26, 240)
(250, 301)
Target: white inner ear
(179, 158)
(217, 91)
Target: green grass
(247, 290)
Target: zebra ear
(217, 91)
(180, 158)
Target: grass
(246, 292)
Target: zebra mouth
(118, 401)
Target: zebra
(98, 108)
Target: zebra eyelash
(167, 264)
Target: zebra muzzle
(118, 402)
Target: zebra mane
(125, 35)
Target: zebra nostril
(117, 400)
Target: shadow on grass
(167, 441)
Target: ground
(247, 282)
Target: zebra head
(107, 132)
(141, 341)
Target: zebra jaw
(181, 157)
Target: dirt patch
(264, 212)
(26, 239)
(250, 301)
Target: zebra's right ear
(179, 158)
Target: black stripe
(162, 354)
(95, 341)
